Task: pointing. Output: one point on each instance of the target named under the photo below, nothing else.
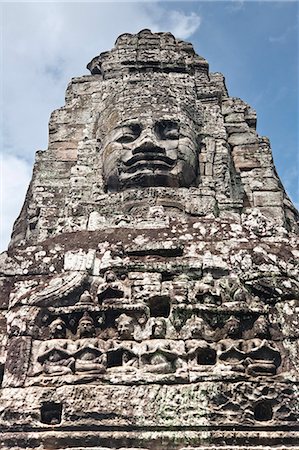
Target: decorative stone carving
(254, 357)
(159, 328)
(201, 355)
(260, 327)
(232, 291)
(207, 291)
(123, 357)
(263, 358)
(111, 289)
(257, 223)
(86, 299)
(232, 328)
(232, 354)
(196, 328)
(151, 150)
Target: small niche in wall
(263, 411)
(206, 357)
(159, 306)
(50, 413)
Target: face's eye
(129, 133)
(167, 129)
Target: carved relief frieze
(153, 326)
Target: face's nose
(147, 143)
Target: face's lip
(154, 158)
(152, 166)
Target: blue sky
(253, 43)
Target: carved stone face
(261, 327)
(197, 327)
(110, 276)
(232, 327)
(86, 328)
(125, 326)
(149, 151)
(159, 329)
(58, 329)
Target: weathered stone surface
(150, 293)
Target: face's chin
(149, 177)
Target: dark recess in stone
(51, 413)
(114, 359)
(263, 411)
(159, 307)
(206, 357)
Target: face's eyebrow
(128, 123)
(168, 121)
(116, 132)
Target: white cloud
(44, 45)
(236, 5)
(283, 37)
(182, 25)
(15, 177)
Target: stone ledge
(109, 440)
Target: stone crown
(138, 52)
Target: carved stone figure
(123, 357)
(207, 291)
(161, 357)
(232, 355)
(130, 360)
(233, 291)
(263, 358)
(111, 288)
(56, 360)
(261, 327)
(196, 328)
(201, 355)
(159, 328)
(90, 357)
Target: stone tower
(150, 292)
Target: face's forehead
(119, 114)
(86, 322)
(146, 103)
